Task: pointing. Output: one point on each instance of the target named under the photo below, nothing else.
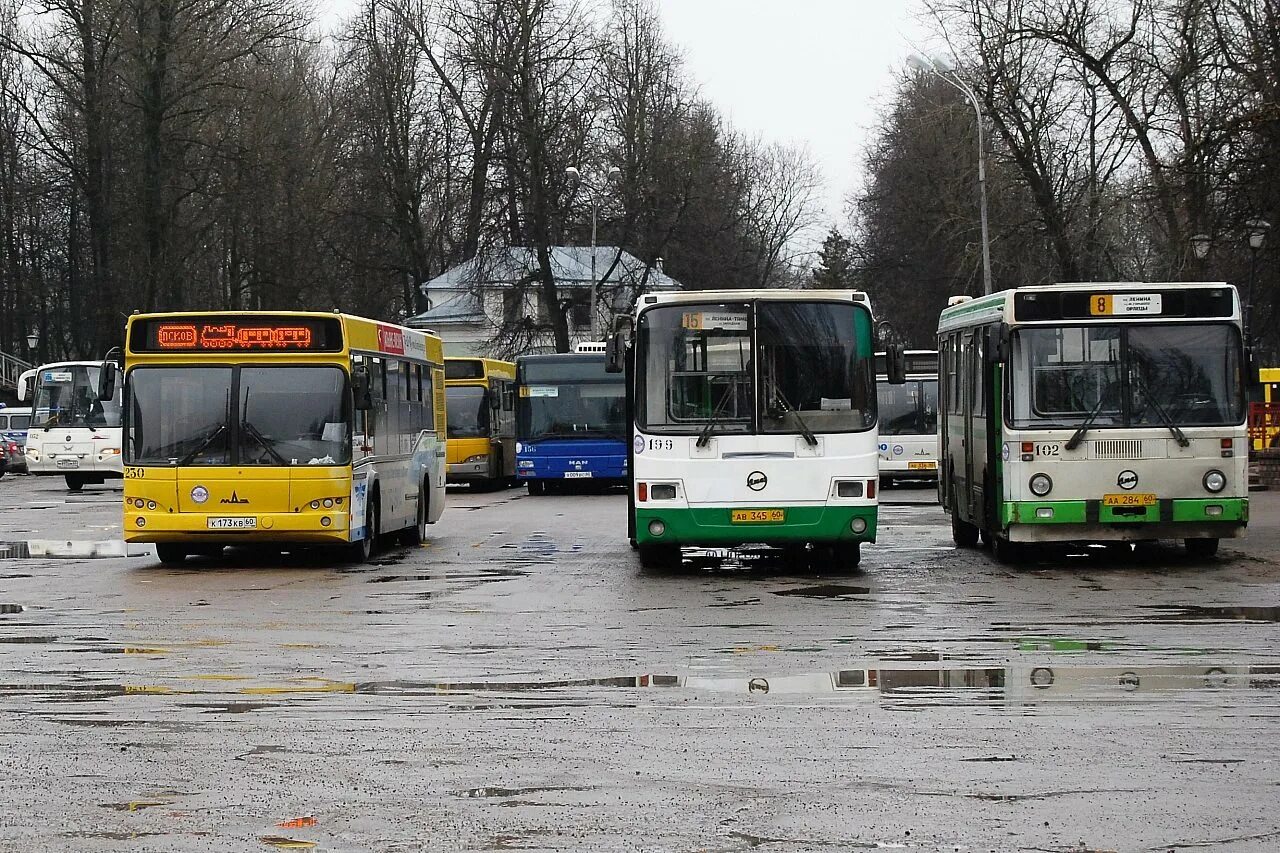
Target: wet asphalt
(519, 683)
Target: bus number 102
(1047, 450)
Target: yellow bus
(482, 420)
(284, 428)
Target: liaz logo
(234, 499)
(1127, 480)
(756, 481)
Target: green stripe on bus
(1076, 512)
(711, 526)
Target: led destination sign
(230, 334)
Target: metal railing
(1264, 425)
(11, 367)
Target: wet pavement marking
(285, 843)
(825, 591)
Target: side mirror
(1252, 375)
(22, 386)
(107, 381)
(615, 353)
(895, 363)
(1001, 347)
(362, 388)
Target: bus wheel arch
(418, 535)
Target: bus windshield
(572, 410)
(468, 411)
(281, 416)
(910, 408)
(1127, 376)
(67, 396)
(698, 369)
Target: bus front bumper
(713, 526)
(1174, 518)
(268, 527)
(465, 472)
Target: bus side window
(955, 403)
(977, 380)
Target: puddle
(826, 590)
(1206, 613)
(32, 640)
(136, 805)
(11, 608)
(111, 836)
(284, 843)
(476, 793)
(71, 549)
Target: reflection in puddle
(1202, 613)
(284, 843)
(11, 608)
(474, 793)
(826, 590)
(136, 805)
(71, 550)
(111, 836)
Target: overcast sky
(811, 72)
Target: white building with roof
(469, 304)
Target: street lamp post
(33, 341)
(612, 178)
(946, 71)
(1257, 236)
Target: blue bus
(571, 422)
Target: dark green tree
(835, 263)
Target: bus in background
(1094, 413)
(1264, 411)
(570, 422)
(482, 420)
(14, 423)
(280, 428)
(754, 422)
(73, 433)
(909, 419)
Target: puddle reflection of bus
(909, 419)
(480, 396)
(1017, 685)
(73, 434)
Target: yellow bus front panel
(223, 505)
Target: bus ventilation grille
(1118, 448)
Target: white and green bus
(1099, 412)
(753, 421)
(909, 419)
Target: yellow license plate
(758, 516)
(922, 466)
(1134, 499)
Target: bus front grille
(1119, 448)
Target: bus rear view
(570, 422)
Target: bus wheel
(1201, 549)
(658, 557)
(537, 487)
(75, 482)
(964, 534)
(419, 535)
(1006, 551)
(363, 551)
(171, 553)
(848, 554)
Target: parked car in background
(14, 422)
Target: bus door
(502, 422)
(976, 426)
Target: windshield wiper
(704, 435)
(256, 434)
(804, 427)
(1178, 434)
(200, 448)
(1078, 435)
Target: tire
(75, 482)
(659, 557)
(363, 551)
(848, 555)
(964, 534)
(1010, 553)
(418, 535)
(171, 553)
(537, 487)
(1201, 549)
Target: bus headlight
(657, 527)
(479, 457)
(1041, 485)
(526, 463)
(858, 525)
(662, 492)
(1215, 481)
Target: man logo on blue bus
(756, 481)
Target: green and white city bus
(753, 421)
(909, 419)
(1096, 413)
